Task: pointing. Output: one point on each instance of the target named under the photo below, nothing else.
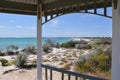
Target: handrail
(84, 76)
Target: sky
(70, 25)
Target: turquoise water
(23, 42)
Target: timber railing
(77, 76)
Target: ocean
(23, 42)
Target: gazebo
(55, 8)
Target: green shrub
(46, 48)
(11, 62)
(12, 47)
(30, 49)
(103, 62)
(65, 45)
(83, 46)
(108, 51)
(21, 60)
(72, 44)
(88, 67)
(94, 62)
(98, 42)
(103, 41)
(4, 62)
(2, 53)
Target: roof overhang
(50, 7)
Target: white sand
(31, 75)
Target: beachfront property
(56, 8)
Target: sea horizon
(22, 42)
(60, 37)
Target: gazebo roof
(50, 7)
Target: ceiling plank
(17, 6)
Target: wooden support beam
(116, 43)
(39, 40)
(17, 6)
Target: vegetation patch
(30, 49)
(99, 62)
(47, 48)
(77, 44)
(21, 60)
(4, 62)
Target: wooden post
(39, 41)
(116, 43)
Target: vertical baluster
(105, 7)
(69, 77)
(76, 78)
(78, 9)
(95, 10)
(51, 16)
(46, 76)
(84, 79)
(50, 74)
(62, 76)
(85, 2)
(57, 14)
(45, 18)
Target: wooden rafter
(51, 7)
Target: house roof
(51, 7)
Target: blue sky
(70, 25)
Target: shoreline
(66, 56)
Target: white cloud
(77, 34)
(85, 33)
(70, 34)
(1, 27)
(26, 27)
(11, 21)
(44, 30)
(54, 23)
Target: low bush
(83, 46)
(99, 62)
(4, 62)
(11, 62)
(21, 60)
(30, 49)
(107, 41)
(76, 44)
(46, 48)
(2, 53)
(50, 43)
(12, 47)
